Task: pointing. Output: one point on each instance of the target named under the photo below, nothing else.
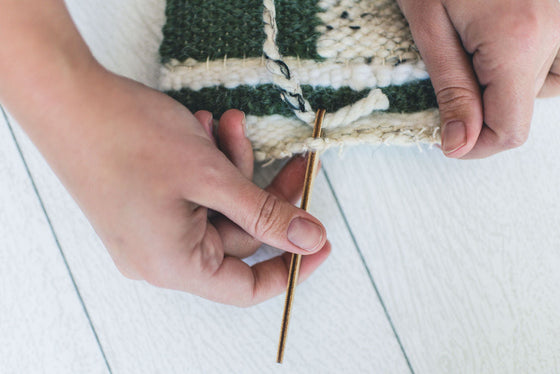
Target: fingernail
(305, 234)
(454, 136)
(244, 125)
(211, 128)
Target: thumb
(450, 69)
(261, 214)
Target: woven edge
(276, 137)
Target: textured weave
(216, 28)
(355, 58)
(261, 100)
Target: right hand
(145, 171)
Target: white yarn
(291, 90)
(233, 72)
(376, 100)
(365, 23)
(276, 137)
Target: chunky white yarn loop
(276, 137)
(375, 100)
(290, 88)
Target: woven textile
(355, 58)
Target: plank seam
(368, 271)
(53, 232)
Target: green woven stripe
(265, 99)
(213, 28)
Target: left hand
(488, 61)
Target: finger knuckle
(122, 262)
(524, 28)
(150, 271)
(267, 215)
(243, 303)
(515, 139)
(206, 258)
(211, 174)
(452, 99)
(156, 282)
(153, 277)
(127, 273)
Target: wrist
(35, 87)
(43, 59)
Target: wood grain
(466, 254)
(43, 327)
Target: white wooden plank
(338, 324)
(124, 35)
(43, 327)
(465, 253)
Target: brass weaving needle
(312, 162)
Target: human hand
(488, 61)
(145, 171)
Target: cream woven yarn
(280, 61)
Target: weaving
(279, 61)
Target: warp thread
(290, 89)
